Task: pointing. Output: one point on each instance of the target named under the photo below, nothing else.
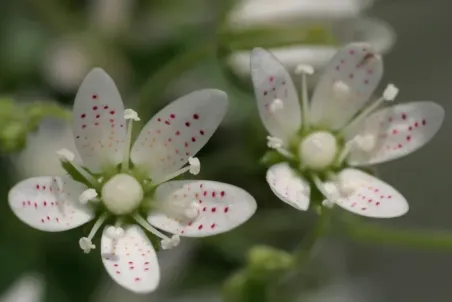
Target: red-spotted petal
(221, 207)
(49, 203)
(289, 186)
(272, 81)
(369, 196)
(179, 131)
(99, 125)
(346, 85)
(131, 260)
(400, 130)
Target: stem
(155, 86)
(419, 239)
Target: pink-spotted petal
(370, 196)
(49, 203)
(346, 85)
(99, 125)
(272, 81)
(289, 186)
(179, 131)
(400, 130)
(221, 207)
(131, 260)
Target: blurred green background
(158, 50)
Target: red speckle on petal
(394, 131)
(187, 124)
(200, 227)
(172, 115)
(106, 107)
(95, 96)
(222, 193)
(83, 115)
(112, 112)
(177, 132)
(95, 107)
(408, 138)
(213, 225)
(226, 209)
(214, 210)
(403, 116)
(195, 116)
(193, 139)
(424, 122)
(201, 132)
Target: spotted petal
(221, 207)
(49, 203)
(346, 85)
(400, 129)
(371, 197)
(289, 186)
(272, 81)
(179, 131)
(99, 127)
(131, 260)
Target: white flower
(131, 182)
(339, 21)
(338, 130)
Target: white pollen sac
(318, 150)
(274, 142)
(341, 90)
(390, 92)
(195, 165)
(66, 155)
(130, 114)
(306, 69)
(122, 194)
(86, 244)
(87, 195)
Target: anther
(86, 244)
(87, 195)
(65, 155)
(304, 69)
(390, 93)
(276, 105)
(195, 165)
(130, 114)
(169, 243)
(274, 142)
(115, 232)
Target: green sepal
(272, 157)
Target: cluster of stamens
(319, 150)
(123, 194)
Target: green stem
(419, 239)
(155, 86)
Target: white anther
(87, 195)
(191, 212)
(195, 165)
(276, 105)
(365, 142)
(65, 155)
(341, 90)
(115, 232)
(100, 179)
(327, 203)
(301, 68)
(130, 114)
(274, 142)
(347, 187)
(86, 244)
(169, 243)
(390, 92)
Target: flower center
(318, 150)
(122, 194)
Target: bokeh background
(158, 50)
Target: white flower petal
(346, 86)
(399, 130)
(371, 196)
(289, 186)
(221, 207)
(29, 288)
(272, 82)
(99, 125)
(131, 260)
(49, 203)
(179, 131)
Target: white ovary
(122, 194)
(318, 150)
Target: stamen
(167, 243)
(365, 142)
(131, 116)
(328, 190)
(194, 168)
(87, 195)
(115, 232)
(304, 70)
(85, 242)
(277, 144)
(68, 157)
(389, 95)
(345, 152)
(276, 105)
